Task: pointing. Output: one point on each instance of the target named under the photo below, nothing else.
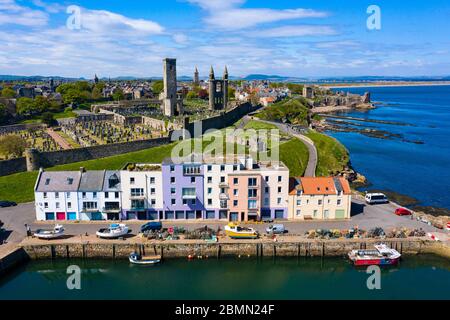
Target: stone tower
(196, 77)
(170, 87)
(32, 157)
(218, 91)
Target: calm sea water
(418, 277)
(420, 171)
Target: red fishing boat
(381, 256)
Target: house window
(189, 192)
(339, 202)
(172, 180)
(173, 191)
(267, 178)
(46, 205)
(209, 190)
(209, 179)
(299, 202)
(222, 167)
(209, 168)
(209, 202)
(132, 180)
(251, 182)
(266, 189)
(299, 212)
(222, 179)
(235, 203)
(57, 195)
(69, 181)
(235, 180)
(184, 202)
(278, 200)
(172, 168)
(235, 167)
(116, 195)
(68, 195)
(315, 213)
(252, 204)
(193, 202)
(173, 201)
(106, 195)
(280, 178)
(47, 181)
(279, 189)
(319, 202)
(94, 195)
(192, 179)
(153, 202)
(69, 205)
(57, 205)
(90, 205)
(252, 193)
(152, 180)
(137, 204)
(45, 195)
(137, 192)
(83, 195)
(235, 192)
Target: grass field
(333, 156)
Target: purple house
(183, 190)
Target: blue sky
(293, 38)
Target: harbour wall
(11, 259)
(310, 248)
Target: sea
(229, 278)
(421, 171)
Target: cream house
(322, 198)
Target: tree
(3, 114)
(25, 106)
(231, 93)
(48, 119)
(191, 95)
(158, 86)
(118, 94)
(12, 145)
(295, 88)
(8, 93)
(203, 94)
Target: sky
(316, 38)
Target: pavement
(58, 139)
(364, 216)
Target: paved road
(289, 130)
(364, 216)
(58, 139)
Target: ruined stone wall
(12, 166)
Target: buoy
(190, 257)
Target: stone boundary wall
(307, 248)
(12, 166)
(20, 127)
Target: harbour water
(420, 171)
(417, 277)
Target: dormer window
(69, 181)
(47, 181)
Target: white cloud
(296, 31)
(14, 14)
(49, 7)
(229, 15)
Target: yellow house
(322, 198)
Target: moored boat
(381, 256)
(113, 231)
(235, 231)
(56, 232)
(136, 258)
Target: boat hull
(144, 262)
(375, 262)
(238, 235)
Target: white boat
(113, 231)
(381, 256)
(144, 260)
(56, 232)
(235, 231)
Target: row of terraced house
(231, 189)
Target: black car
(5, 204)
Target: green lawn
(56, 115)
(19, 187)
(258, 125)
(333, 156)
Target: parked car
(5, 204)
(375, 198)
(402, 212)
(151, 226)
(276, 229)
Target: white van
(374, 198)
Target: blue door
(210, 214)
(223, 214)
(96, 216)
(234, 216)
(279, 214)
(131, 215)
(265, 214)
(71, 216)
(49, 216)
(153, 215)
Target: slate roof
(92, 181)
(59, 181)
(111, 174)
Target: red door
(60, 216)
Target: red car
(403, 212)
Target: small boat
(136, 258)
(381, 256)
(235, 231)
(113, 231)
(56, 232)
(448, 226)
